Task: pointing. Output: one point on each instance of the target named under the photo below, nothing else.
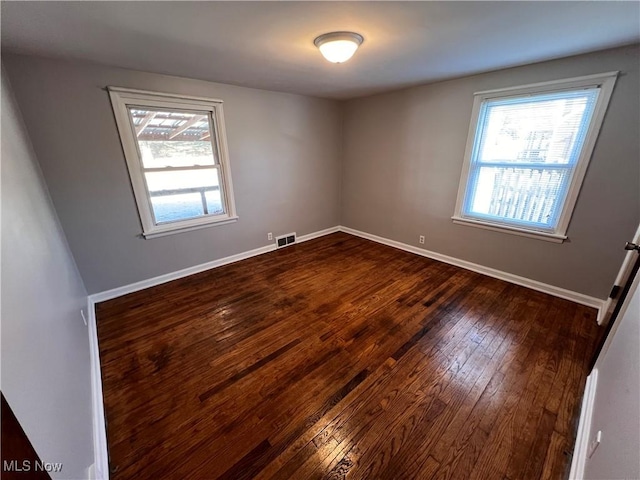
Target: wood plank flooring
(18, 457)
(342, 358)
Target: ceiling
(270, 44)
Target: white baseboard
(185, 272)
(100, 450)
(581, 450)
(319, 233)
(491, 272)
(168, 277)
(603, 313)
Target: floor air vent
(284, 240)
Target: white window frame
(605, 82)
(121, 99)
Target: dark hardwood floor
(18, 457)
(342, 358)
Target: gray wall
(616, 410)
(402, 160)
(284, 152)
(45, 348)
(388, 164)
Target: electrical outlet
(269, 236)
(422, 239)
(594, 443)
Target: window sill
(549, 237)
(161, 232)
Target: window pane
(169, 180)
(184, 194)
(171, 208)
(527, 196)
(168, 138)
(214, 201)
(548, 128)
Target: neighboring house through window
(176, 153)
(527, 153)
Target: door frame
(622, 278)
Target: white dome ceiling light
(338, 47)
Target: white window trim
(123, 97)
(606, 82)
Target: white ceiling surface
(270, 44)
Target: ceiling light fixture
(338, 47)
